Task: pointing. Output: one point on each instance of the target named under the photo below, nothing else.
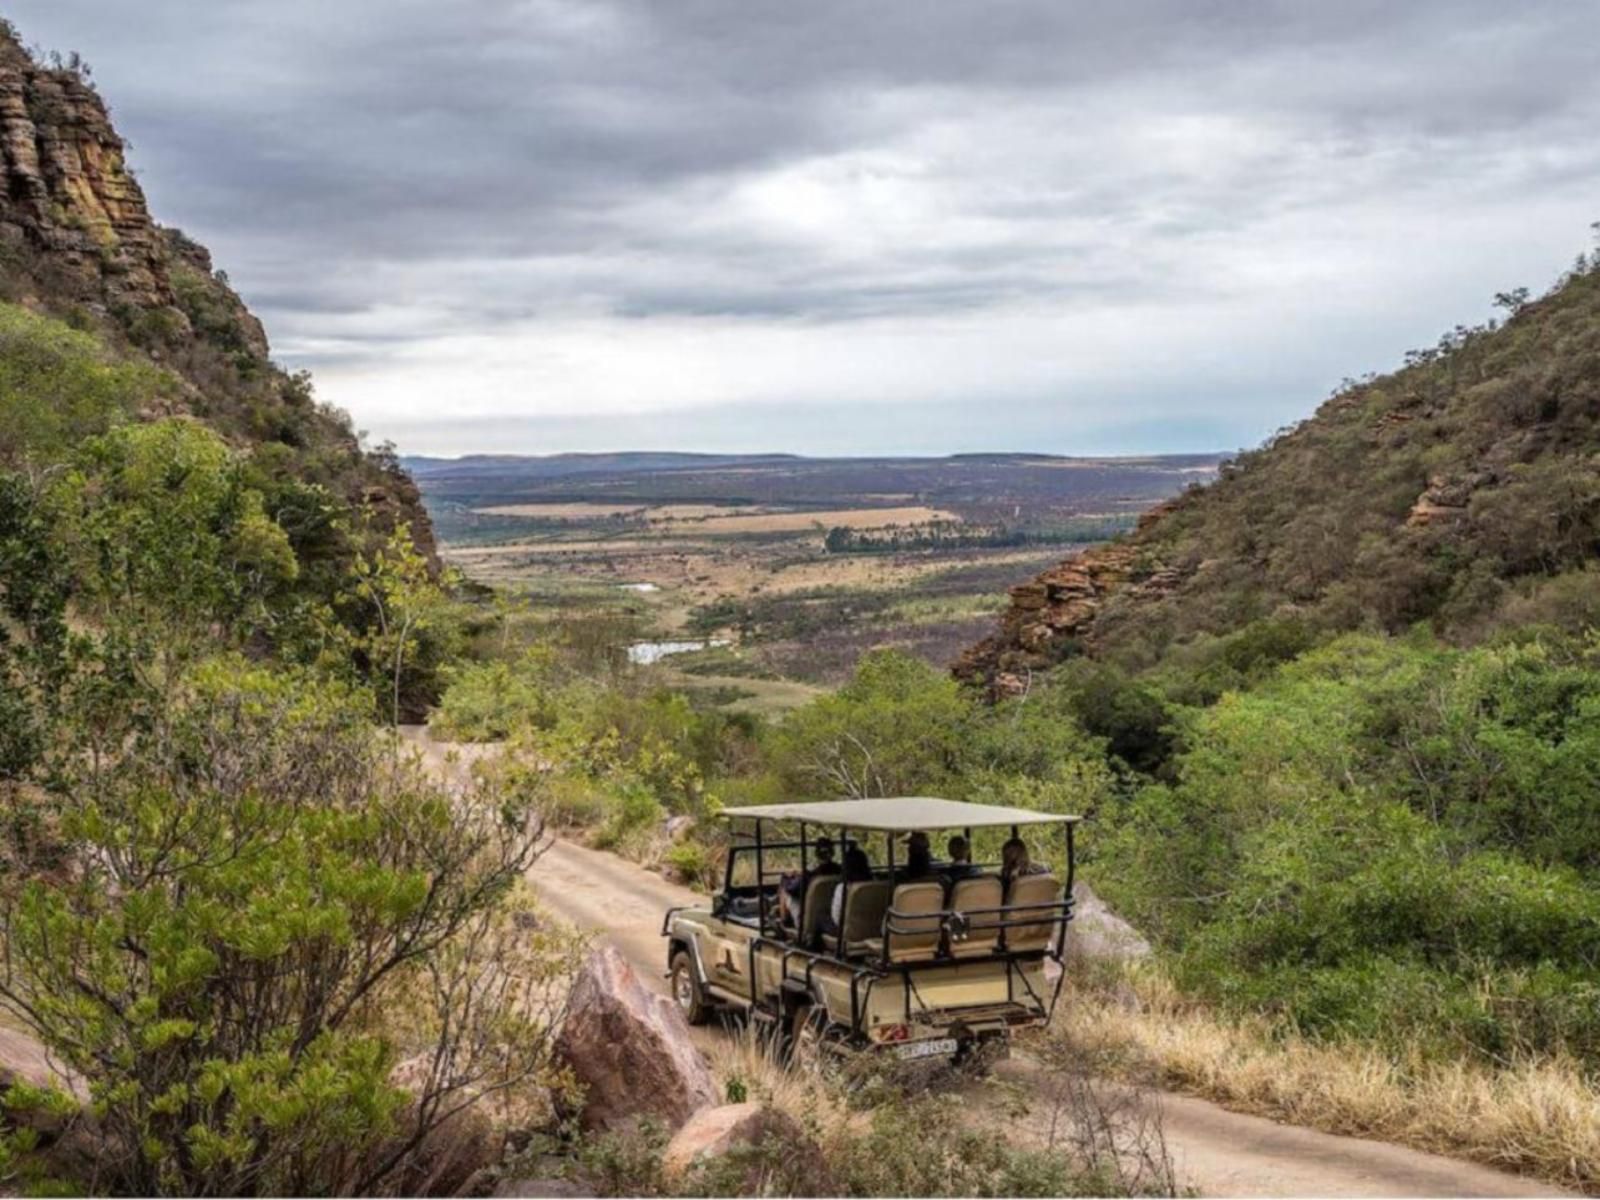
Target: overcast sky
(853, 225)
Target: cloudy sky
(843, 226)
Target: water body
(643, 654)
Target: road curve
(1221, 1153)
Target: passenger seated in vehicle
(960, 855)
(919, 858)
(857, 869)
(792, 888)
(1014, 862)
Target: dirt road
(1219, 1152)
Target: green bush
(59, 386)
(490, 701)
(694, 862)
(632, 814)
(1385, 839)
(268, 910)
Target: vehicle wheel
(977, 1056)
(686, 993)
(805, 1052)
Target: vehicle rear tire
(686, 990)
(977, 1056)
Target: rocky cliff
(1461, 492)
(77, 239)
(68, 200)
(1052, 616)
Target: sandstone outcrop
(1445, 498)
(1055, 612)
(630, 1049)
(66, 193)
(78, 239)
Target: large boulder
(630, 1049)
(1097, 932)
(24, 1060)
(713, 1133)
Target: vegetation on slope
(1462, 491)
(228, 909)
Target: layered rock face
(65, 192)
(77, 237)
(1054, 613)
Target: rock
(454, 1158)
(1097, 932)
(630, 1048)
(544, 1186)
(24, 1059)
(1059, 608)
(713, 1132)
(677, 826)
(65, 191)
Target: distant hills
(1461, 491)
(556, 466)
(530, 466)
(1022, 492)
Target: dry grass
(744, 1059)
(1540, 1117)
(690, 572)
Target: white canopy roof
(898, 814)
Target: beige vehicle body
(919, 968)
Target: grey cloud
(371, 171)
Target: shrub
(59, 386)
(268, 908)
(1385, 839)
(694, 862)
(632, 813)
(489, 701)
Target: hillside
(1461, 491)
(78, 243)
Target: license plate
(928, 1049)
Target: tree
(897, 727)
(265, 914)
(164, 532)
(397, 584)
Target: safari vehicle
(942, 965)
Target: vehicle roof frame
(898, 814)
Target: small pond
(643, 654)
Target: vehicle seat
(918, 923)
(1032, 889)
(819, 894)
(982, 929)
(863, 913)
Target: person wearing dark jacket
(792, 891)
